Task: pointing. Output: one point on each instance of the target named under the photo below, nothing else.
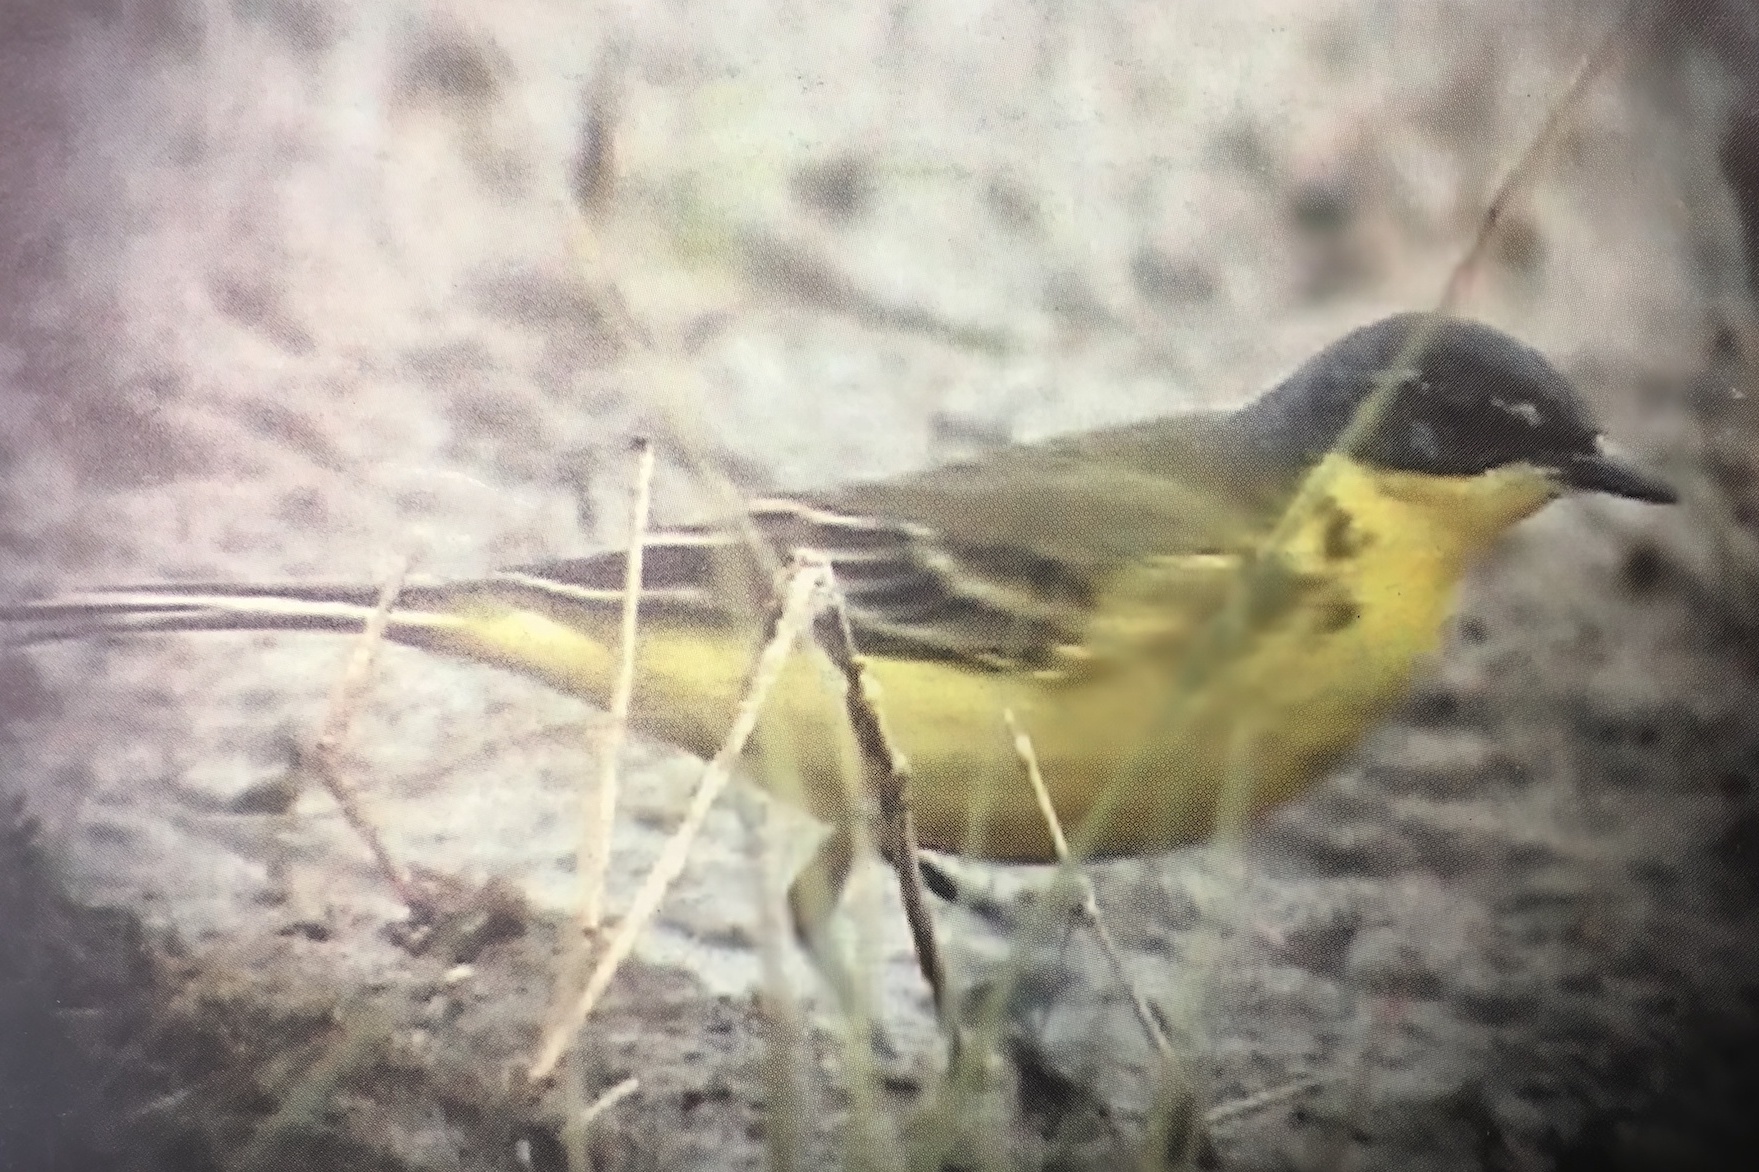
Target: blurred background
(298, 288)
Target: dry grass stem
(608, 1100)
(1515, 180)
(576, 1133)
(806, 583)
(1220, 638)
(1521, 171)
(323, 757)
(1264, 1100)
(601, 815)
(1089, 904)
(889, 782)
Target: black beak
(1598, 471)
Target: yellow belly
(1157, 765)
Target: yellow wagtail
(1064, 581)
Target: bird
(1177, 651)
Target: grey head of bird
(1471, 400)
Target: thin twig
(1089, 904)
(806, 583)
(323, 758)
(889, 782)
(601, 816)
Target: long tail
(678, 577)
(142, 610)
(421, 607)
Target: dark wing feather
(907, 593)
(1002, 561)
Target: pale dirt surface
(293, 288)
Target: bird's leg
(812, 900)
